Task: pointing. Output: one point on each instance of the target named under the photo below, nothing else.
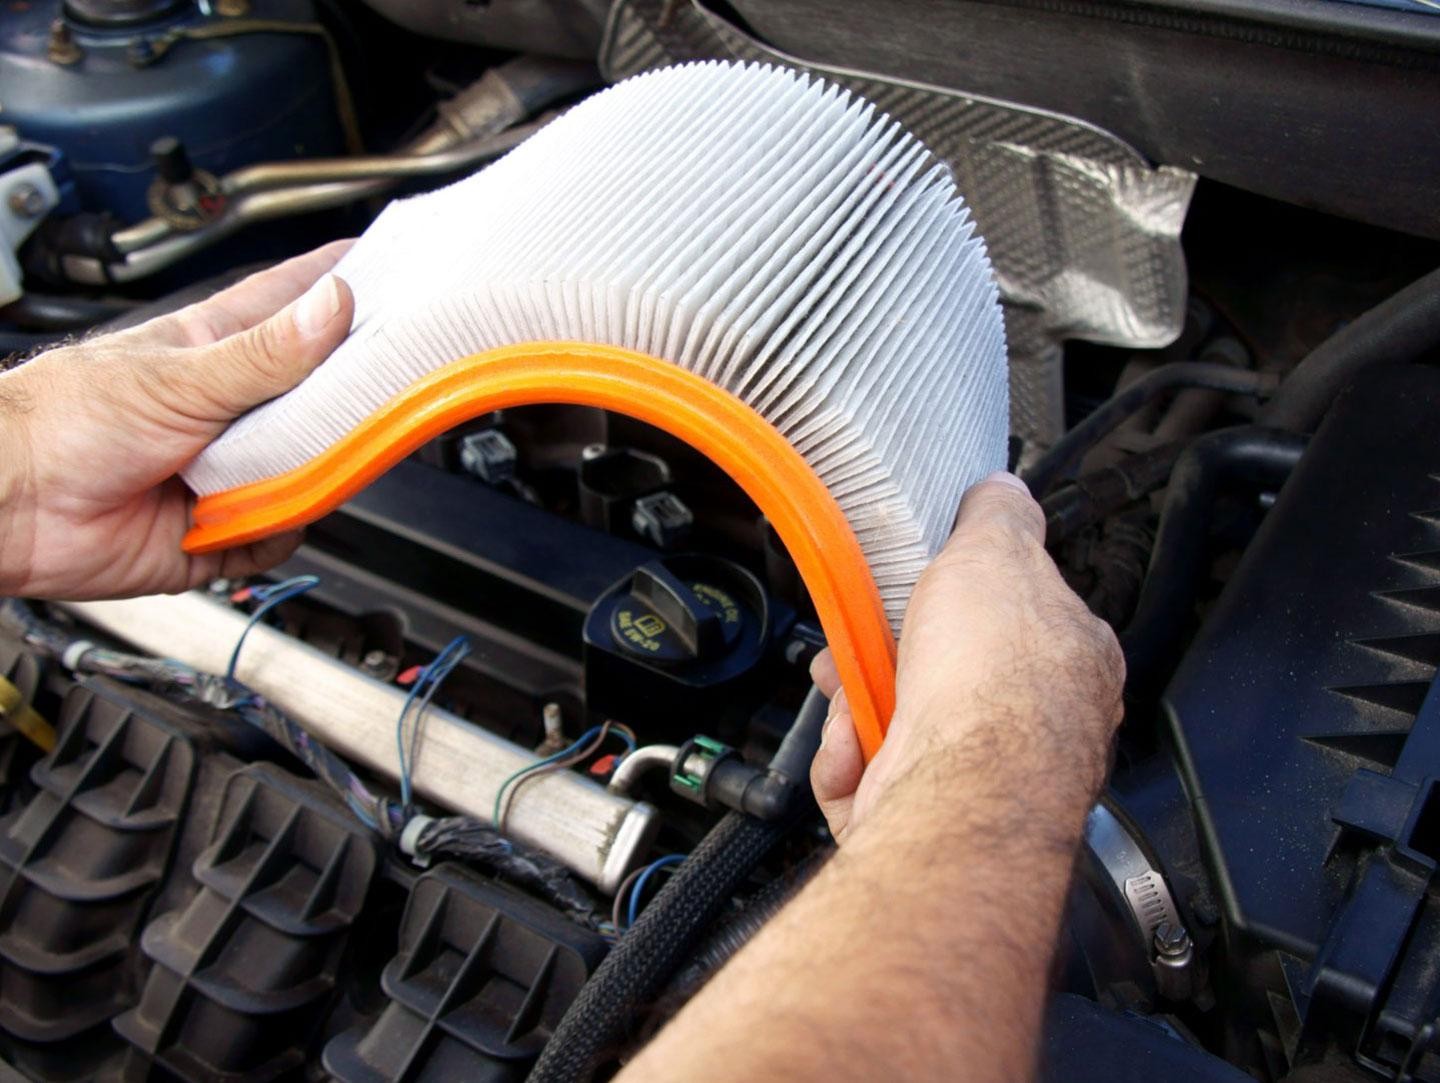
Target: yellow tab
(16, 712)
(10, 698)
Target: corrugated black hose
(639, 966)
(724, 941)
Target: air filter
(750, 258)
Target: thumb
(1000, 503)
(835, 772)
(255, 365)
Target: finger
(262, 555)
(824, 674)
(244, 560)
(220, 382)
(256, 298)
(1000, 501)
(835, 772)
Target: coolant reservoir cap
(668, 616)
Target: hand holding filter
(749, 258)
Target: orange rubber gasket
(746, 446)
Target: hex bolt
(1175, 977)
(554, 721)
(141, 53)
(26, 200)
(172, 162)
(1171, 941)
(378, 664)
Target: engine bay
(499, 695)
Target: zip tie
(410, 838)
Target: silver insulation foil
(1083, 232)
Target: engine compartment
(181, 897)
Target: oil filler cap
(670, 618)
(671, 635)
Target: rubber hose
(639, 965)
(1065, 453)
(792, 759)
(1249, 455)
(1401, 328)
(541, 81)
(646, 957)
(770, 793)
(731, 934)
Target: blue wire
(428, 681)
(629, 741)
(270, 597)
(634, 909)
(428, 678)
(438, 670)
(529, 770)
(524, 772)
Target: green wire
(589, 735)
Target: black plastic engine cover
(481, 979)
(1304, 734)
(244, 975)
(80, 864)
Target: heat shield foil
(1083, 232)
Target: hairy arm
(14, 466)
(922, 950)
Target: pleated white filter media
(759, 227)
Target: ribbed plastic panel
(481, 978)
(78, 866)
(245, 974)
(22, 670)
(1306, 718)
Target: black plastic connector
(712, 774)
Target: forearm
(922, 949)
(16, 516)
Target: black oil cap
(677, 643)
(667, 618)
